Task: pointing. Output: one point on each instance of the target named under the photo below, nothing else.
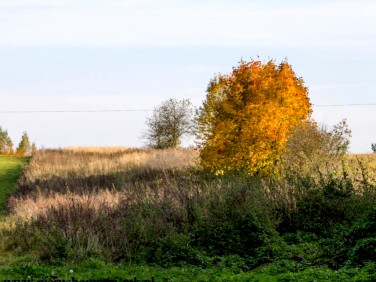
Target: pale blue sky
(119, 54)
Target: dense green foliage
(26, 268)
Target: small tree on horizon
(373, 147)
(24, 147)
(169, 123)
(6, 144)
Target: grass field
(93, 213)
(10, 171)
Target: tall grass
(159, 206)
(95, 161)
(85, 170)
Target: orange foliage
(247, 117)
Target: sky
(81, 55)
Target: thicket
(185, 216)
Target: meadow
(93, 213)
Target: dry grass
(96, 176)
(92, 177)
(99, 161)
(113, 149)
(369, 160)
(362, 167)
(28, 208)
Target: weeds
(159, 207)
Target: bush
(361, 240)
(315, 151)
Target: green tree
(24, 147)
(247, 117)
(6, 144)
(169, 123)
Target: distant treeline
(24, 148)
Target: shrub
(315, 151)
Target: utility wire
(70, 111)
(142, 110)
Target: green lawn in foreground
(10, 171)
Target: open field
(119, 212)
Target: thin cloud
(167, 23)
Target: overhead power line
(143, 110)
(70, 111)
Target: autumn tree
(24, 147)
(246, 119)
(6, 144)
(169, 123)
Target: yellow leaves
(247, 117)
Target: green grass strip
(24, 269)
(10, 171)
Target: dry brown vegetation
(98, 177)
(160, 206)
(90, 176)
(86, 161)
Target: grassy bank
(119, 212)
(10, 171)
